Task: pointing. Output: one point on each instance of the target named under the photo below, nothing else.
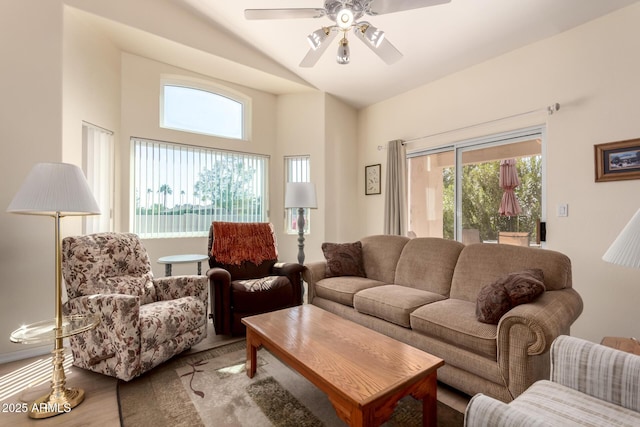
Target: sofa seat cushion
(244, 300)
(393, 303)
(260, 284)
(342, 289)
(454, 321)
(164, 320)
(560, 405)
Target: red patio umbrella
(509, 180)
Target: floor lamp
(300, 195)
(55, 190)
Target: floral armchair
(143, 321)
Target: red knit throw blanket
(235, 242)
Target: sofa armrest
(293, 271)
(314, 271)
(528, 330)
(485, 411)
(599, 371)
(174, 287)
(218, 274)
(220, 293)
(548, 317)
(117, 336)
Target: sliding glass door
(456, 192)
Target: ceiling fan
(346, 14)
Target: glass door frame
(503, 138)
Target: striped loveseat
(591, 385)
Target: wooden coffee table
(364, 373)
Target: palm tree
(149, 192)
(164, 190)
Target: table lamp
(300, 195)
(55, 190)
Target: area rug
(211, 388)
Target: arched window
(204, 108)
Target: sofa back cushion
(428, 263)
(246, 270)
(380, 256)
(484, 263)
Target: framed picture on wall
(372, 179)
(616, 161)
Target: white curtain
(395, 206)
(98, 166)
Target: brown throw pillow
(496, 299)
(343, 259)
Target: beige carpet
(211, 388)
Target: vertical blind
(180, 189)
(98, 164)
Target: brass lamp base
(61, 399)
(50, 405)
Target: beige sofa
(423, 292)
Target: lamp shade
(52, 188)
(344, 53)
(300, 195)
(374, 36)
(317, 38)
(625, 250)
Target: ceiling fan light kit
(344, 53)
(373, 35)
(318, 37)
(345, 19)
(345, 15)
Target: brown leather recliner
(240, 287)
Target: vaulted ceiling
(435, 41)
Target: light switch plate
(563, 210)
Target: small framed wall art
(617, 161)
(372, 179)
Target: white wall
(301, 131)
(91, 92)
(30, 132)
(592, 71)
(341, 173)
(59, 73)
(323, 127)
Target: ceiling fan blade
(380, 7)
(312, 57)
(284, 13)
(386, 51)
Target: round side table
(168, 261)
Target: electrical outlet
(563, 210)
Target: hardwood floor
(100, 406)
